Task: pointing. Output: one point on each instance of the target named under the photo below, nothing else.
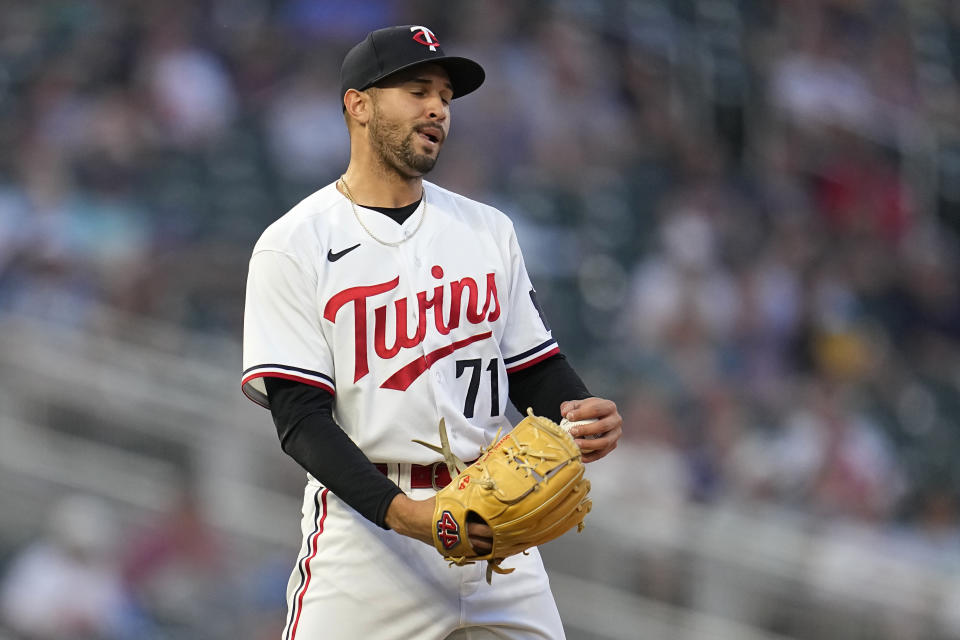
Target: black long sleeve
(303, 415)
(546, 385)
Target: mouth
(431, 135)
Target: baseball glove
(528, 487)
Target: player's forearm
(412, 518)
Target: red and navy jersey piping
(307, 376)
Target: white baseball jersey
(402, 335)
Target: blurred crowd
(87, 575)
(742, 215)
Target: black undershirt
(303, 415)
(397, 214)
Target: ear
(357, 104)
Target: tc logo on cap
(424, 36)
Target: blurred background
(742, 220)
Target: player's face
(411, 119)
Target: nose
(436, 110)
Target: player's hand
(599, 438)
(481, 537)
(414, 519)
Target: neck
(379, 186)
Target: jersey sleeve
(282, 334)
(527, 338)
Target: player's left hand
(598, 438)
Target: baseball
(566, 424)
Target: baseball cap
(385, 51)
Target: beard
(396, 150)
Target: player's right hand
(481, 537)
(414, 519)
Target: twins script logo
(428, 303)
(425, 37)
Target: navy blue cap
(385, 51)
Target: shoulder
(471, 211)
(299, 231)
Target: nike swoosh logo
(333, 257)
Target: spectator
(66, 584)
(175, 566)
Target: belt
(425, 476)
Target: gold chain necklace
(356, 214)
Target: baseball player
(375, 307)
